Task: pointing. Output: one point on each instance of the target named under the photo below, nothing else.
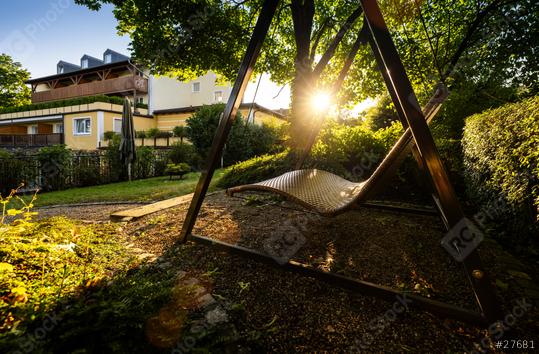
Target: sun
(321, 101)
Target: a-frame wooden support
(426, 155)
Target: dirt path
(293, 313)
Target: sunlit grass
(150, 189)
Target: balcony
(30, 140)
(99, 87)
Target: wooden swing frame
(424, 151)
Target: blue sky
(39, 33)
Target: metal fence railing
(80, 169)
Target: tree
(13, 90)
(180, 132)
(437, 39)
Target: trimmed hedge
(256, 169)
(71, 102)
(501, 167)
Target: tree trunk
(302, 16)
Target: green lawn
(156, 188)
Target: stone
(217, 315)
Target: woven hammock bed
(330, 195)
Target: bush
(245, 140)
(15, 168)
(140, 134)
(152, 133)
(70, 102)
(183, 153)
(177, 169)
(501, 166)
(144, 164)
(180, 131)
(54, 164)
(257, 169)
(109, 135)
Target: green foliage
(15, 169)
(177, 169)
(54, 164)
(351, 151)
(180, 131)
(109, 135)
(256, 169)
(144, 164)
(66, 103)
(184, 153)
(13, 90)
(381, 115)
(245, 140)
(152, 133)
(501, 164)
(140, 134)
(45, 263)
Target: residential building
(81, 102)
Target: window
(58, 128)
(81, 126)
(218, 96)
(196, 86)
(32, 129)
(117, 125)
(84, 63)
(140, 100)
(108, 58)
(60, 70)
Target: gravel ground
(87, 213)
(306, 315)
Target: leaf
(6, 268)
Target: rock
(206, 301)
(330, 329)
(164, 265)
(217, 315)
(181, 274)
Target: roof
(78, 72)
(256, 107)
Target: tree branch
(468, 37)
(317, 38)
(330, 51)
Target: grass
(150, 189)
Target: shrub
(145, 162)
(54, 164)
(382, 115)
(86, 170)
(177, 169)
(501, 164)
(15, 169)
(109, 135)
(163, 134)
(257, 169)
(245, 140)
(183, 153)
(140, 134)
(152, 133)
(180, 131)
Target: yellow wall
(80, 142)
(167, 122)
(141, 123)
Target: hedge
(501, 167)
(70, 102)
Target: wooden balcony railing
(31, 140)
(101, 87)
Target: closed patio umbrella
(128, 152)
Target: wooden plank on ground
(138, 212)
